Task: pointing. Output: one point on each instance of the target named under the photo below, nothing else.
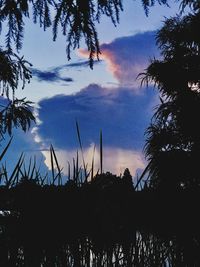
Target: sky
(108, 98)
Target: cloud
(54, 73)
(49, 76)
(85, 63)
(121, 114)
(128, 56)
(77, 64)
(115, 160)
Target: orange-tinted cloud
(127, 57)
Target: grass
(78, 171)
(92, 219)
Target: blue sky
(107, 98)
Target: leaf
(92, 167)
(14, 176)
(57, 166)
(101, 153)
(79, 139)
(5, 149)
(52, 165)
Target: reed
(103, 221)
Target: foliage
(101, 222)
(12, 70)
(173, 138)
(17, 114)
(13, 112)
(76, 19)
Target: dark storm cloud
(120, 113)
(78, 64)
(82, 64)
(49, 76)
(53, 75)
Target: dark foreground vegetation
(104, 222)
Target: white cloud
(115, 160)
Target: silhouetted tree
(127, 179)
(13, 112)
(173, 138)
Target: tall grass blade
(101, 153)
(87, 173)
(57, 166)
(74, 171)
(80, 143)
(5, 149)
(38, 171)
(4, 174)
(142, 176)
(81, 177)
(77, 166)
(69, 174)
(59, 178)
(92, 167)
(33, 169)
(29, 167)
(42, 180)
(1, 176)
(52, 165)
(24, 171)
(14, 176)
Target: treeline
(103, 222)
(108, 206)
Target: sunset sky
(107, 98)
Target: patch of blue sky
(133, 20)
(45, 54)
